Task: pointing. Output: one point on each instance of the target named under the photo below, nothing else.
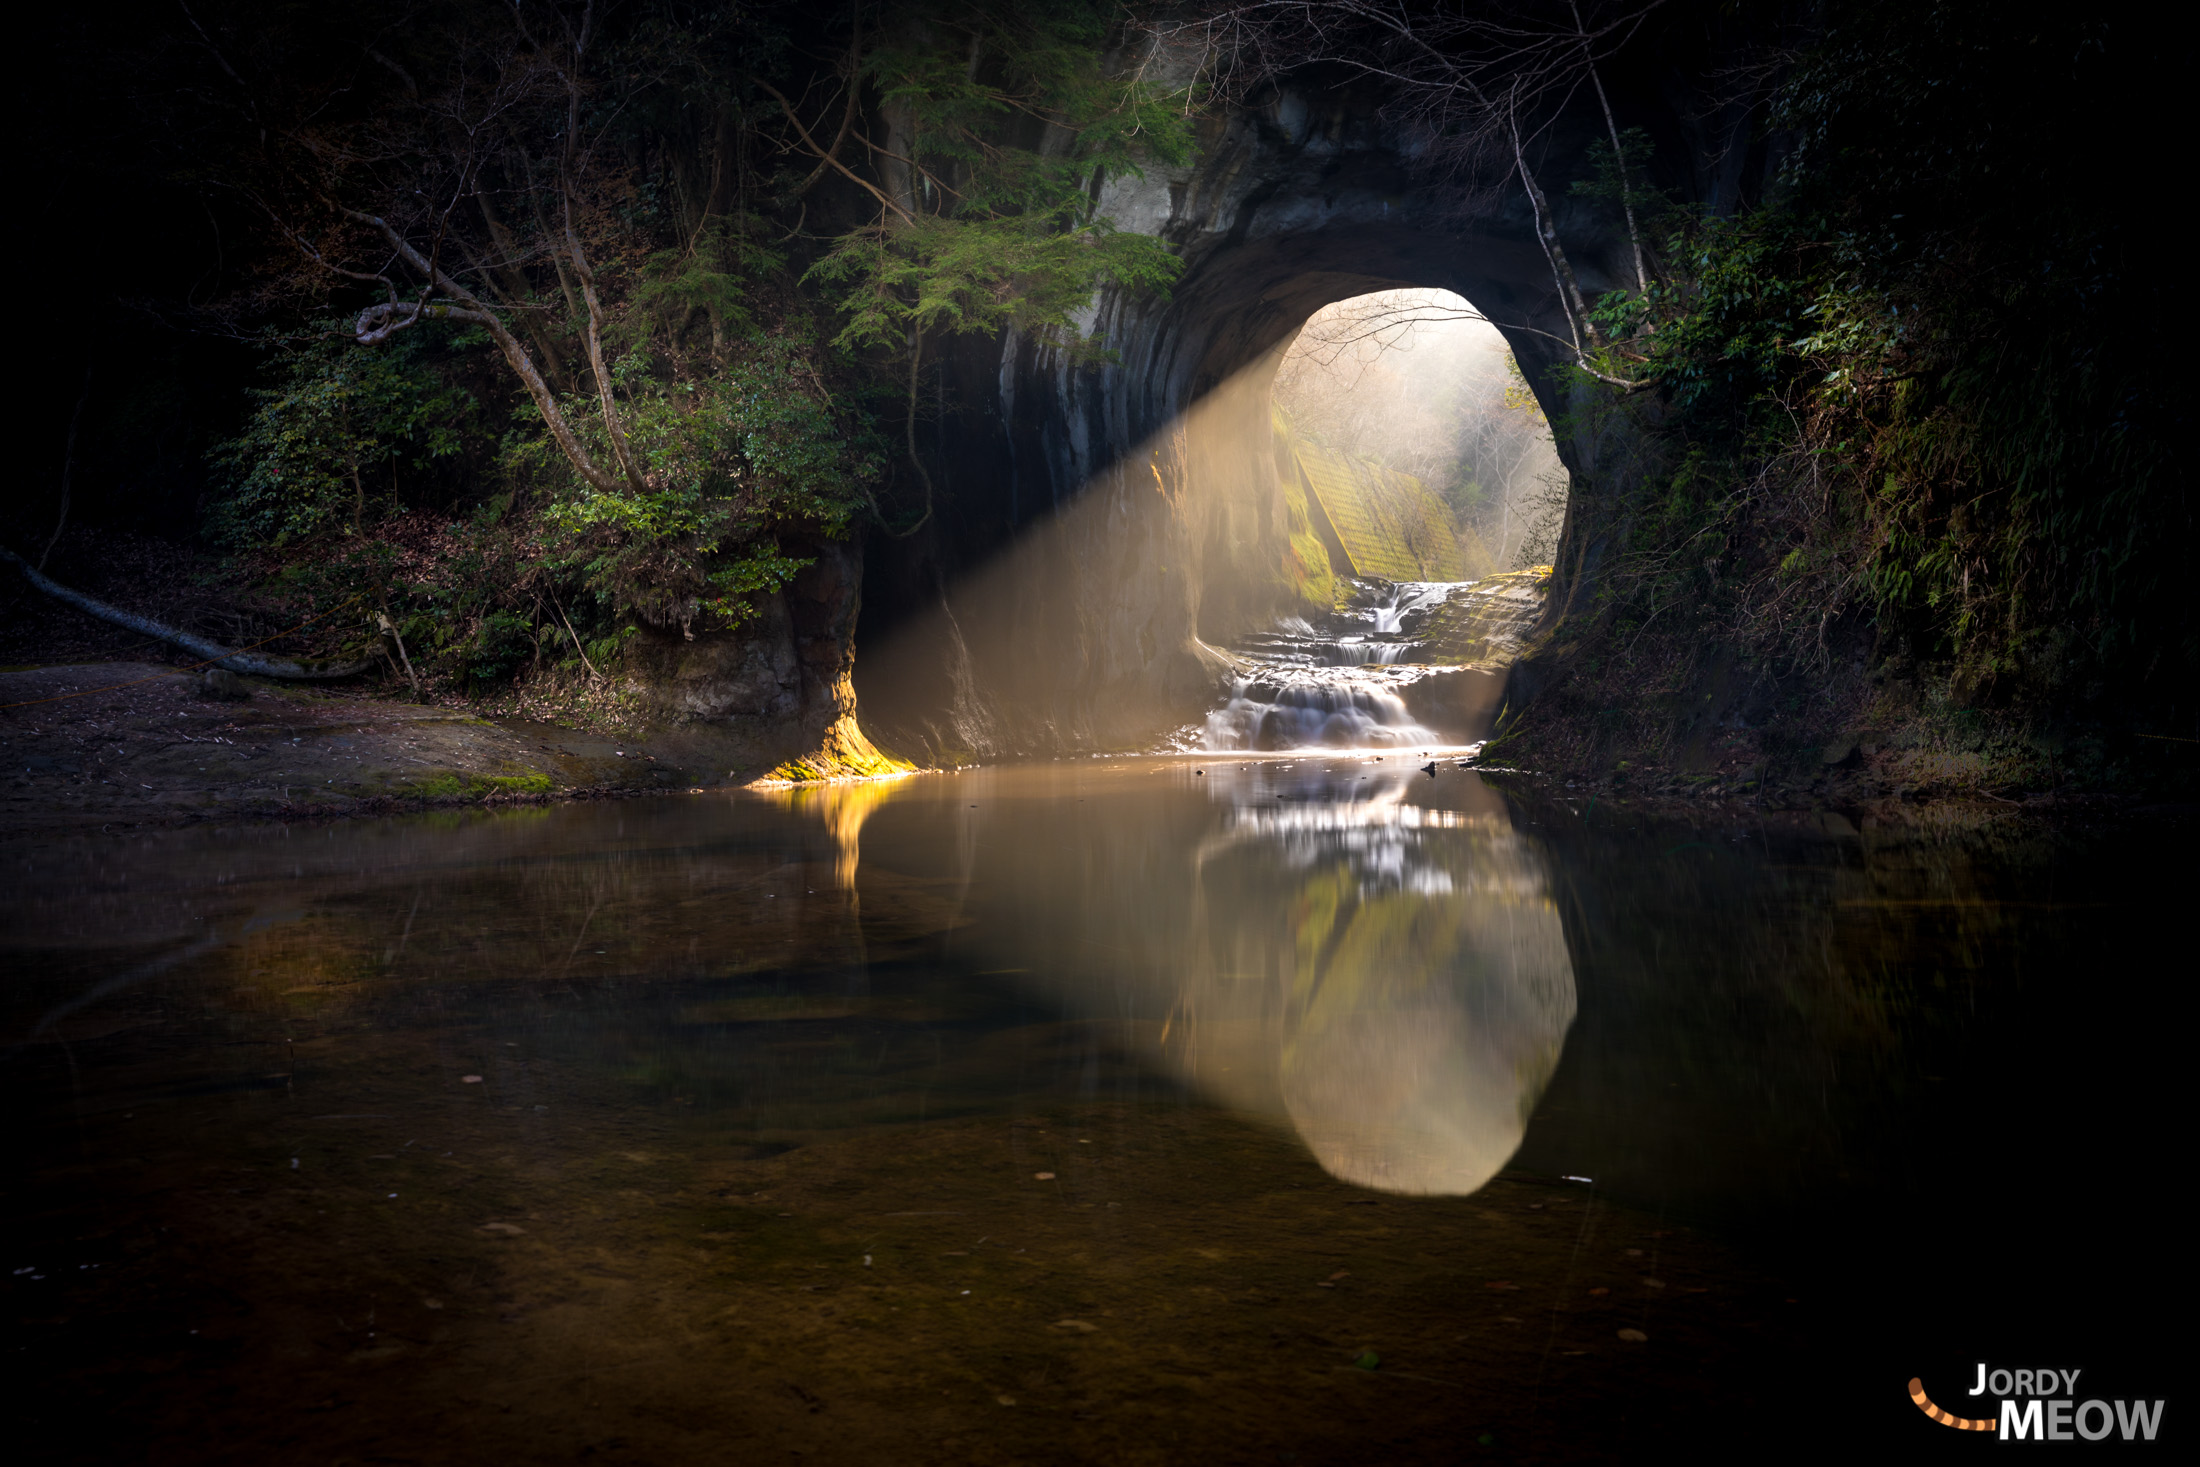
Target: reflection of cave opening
(1416, 384)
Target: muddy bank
(126, 743)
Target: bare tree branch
(1619, 159)
(376, 322)
(848, 113)
(1478, 85)
(826, 156)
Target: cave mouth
(1418, 385)
(1294, 486)
(1423, 493)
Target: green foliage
(734, 440)
(732, 460)
(1013, 122)
(451, 786)
(329, 434)
(502, 640)
(1922, 384)
(1605, 182)
(943, 276)
(964, 69)
(1467, 497)
(1731, 345)
(712, 274)
(760, 569)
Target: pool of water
(1221, 1109)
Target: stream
(1228, 1107)
(1361, 677)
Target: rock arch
(1101, 525)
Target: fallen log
(213, 652)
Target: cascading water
(1345, 684)
(1334, 687)
(1314, 709)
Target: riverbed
(1235, 1108)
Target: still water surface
(1258, 1109)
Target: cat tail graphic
(1924, 1404)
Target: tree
(1002, 120)
(476, 165)
(335, 419)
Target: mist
(1418, 381)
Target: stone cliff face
(1110, 525)
(741, 703)
(1099, 530)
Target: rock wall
(740, 704)
(1103, 528)
(1098, 530)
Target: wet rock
(220, 685)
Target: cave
(1103, 529)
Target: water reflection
(368, 1112)
(1428, 991)
(1342, 947)
(1310, 943)
(841, 808)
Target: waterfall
(1315, 711)
(1329, 687)
(1342, 683)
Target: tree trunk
(517, 289)
(68, 470)
(214, 652)
(1562, 269)
(894, 165)
(1619, 159)
(376, 322)
(596, 364)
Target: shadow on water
(1234, 1109)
